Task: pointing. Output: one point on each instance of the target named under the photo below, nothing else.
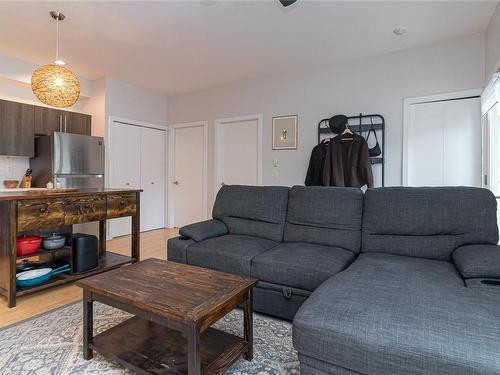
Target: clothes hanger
(347, 130)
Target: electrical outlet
(275, 173)
(275, 162)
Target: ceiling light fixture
(399, 31)
(53, 84)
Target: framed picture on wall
(285, 132)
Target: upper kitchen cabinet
(48, 120)
(17, 129)
(77, 123)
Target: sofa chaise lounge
(393, 281)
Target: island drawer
(33, 214)
(121, 205)
(84, 209)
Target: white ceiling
(181, 46)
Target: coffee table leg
(194, 359)
(88, 322)
(248, 325)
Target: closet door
(462, 142)
(125, 166)
(425, 145)
(443, 143)
(152, 179)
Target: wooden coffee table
(174, 306)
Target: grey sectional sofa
(292, 240)
(395, 281)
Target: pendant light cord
(57, 40)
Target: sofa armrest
(478, 261)
(177, 249)
(204, 230)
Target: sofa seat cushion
(231, 253)
(300, 265)
(390, 314)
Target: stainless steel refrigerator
(69, 161)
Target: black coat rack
(361, 124)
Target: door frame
(217, 152)
(108, 157)
(170, 161)
(408, 102)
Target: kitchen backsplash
(12, 168)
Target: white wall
(493, 44)
(375, 85)
(135, 103)
(96, 107)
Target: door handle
(60, 123)
(176, 182)
(65, 124)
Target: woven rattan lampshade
(55, 85)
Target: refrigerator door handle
(65, 124)
(60, 123)
(101, 155)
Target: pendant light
(53, 84)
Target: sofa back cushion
(252, 210)
(328, 216)
(427, 222)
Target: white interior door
(125, 168)
(425, 145)
(188, 174)
(462, 142)
(152, 179)
(443, 143)
(238, 148)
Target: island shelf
(34, 212)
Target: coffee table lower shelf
(149, 348)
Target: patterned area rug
(51, 344)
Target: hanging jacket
(347, 163)
(314, 176)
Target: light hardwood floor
(153, 245)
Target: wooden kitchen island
(41, 212)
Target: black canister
(85, 252)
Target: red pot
(27, 245)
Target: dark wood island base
(39, 211)
(171, 331)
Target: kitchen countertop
(35, 193)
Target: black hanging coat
(347, 162)
(314, 176)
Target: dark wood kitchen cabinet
(77, 123)
(48, 120)
(17, 129)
